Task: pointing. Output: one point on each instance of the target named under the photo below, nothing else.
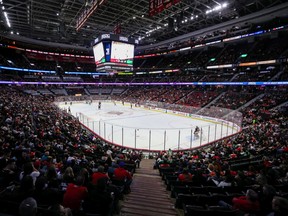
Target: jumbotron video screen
(121, 52)
(113, 54)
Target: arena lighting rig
(87, 13)
(5, 14)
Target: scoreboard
(113, 53)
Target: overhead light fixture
(7, 19)
(5, 14)
(217, 8)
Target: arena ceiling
(55, 20)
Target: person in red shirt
(74, 195)
(248, 203)
(122, 177)
(120, 174)
(185, 176)
(99, 175)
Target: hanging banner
(157, 6)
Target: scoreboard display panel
(121, 51)
(114, 53)
(98, 51)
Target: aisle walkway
(148, 195)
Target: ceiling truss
(55, 20)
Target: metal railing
(221, 123)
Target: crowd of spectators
(53, 160)
(46, 157)
(200, 96)
(254, 160)
(236, 97)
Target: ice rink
(141, 128)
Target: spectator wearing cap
(28, 207)
(111, 169)
(122, 176)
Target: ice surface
(142, 128)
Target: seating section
(39, 125)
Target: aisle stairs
(148, 195)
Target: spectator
(26, 188)
(185, 176)
(75, 194)
(248, 203)
(99, 175)
(28, 207)
(52, 178)
(111, 169)
(28, 169)
(59, 210)
(68, 176)
(226, 182)
(268, 193)
(8, 173)
(122, 177)
(99, 199)
(279, 206)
